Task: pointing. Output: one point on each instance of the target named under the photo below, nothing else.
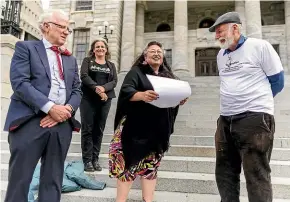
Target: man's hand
(100, 89)
(59, 113)
(48, 121)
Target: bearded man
(251, 75)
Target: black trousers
(94, 113)
(245, 139)
(28, 144)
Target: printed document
(171, 92)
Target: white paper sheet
(170, 91)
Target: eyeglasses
(155, 52)
(100, 47)
(61, 27)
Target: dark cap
(230, 17)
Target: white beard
(228, 42)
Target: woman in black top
(99, 78)
(142, 131)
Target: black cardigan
(147, 128)
(89, 84)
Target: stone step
(177, 164)
(178, 140)
(109, 194)
(282, 124)
(196, 140)
(193, 140)
(281, 116)
(282, 154)
(199, 131)
(200, 183)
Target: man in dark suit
(40, 118)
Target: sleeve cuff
(47, 107)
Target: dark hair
(164, 66)
(91, 52)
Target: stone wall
(7, 50)
(195, 16)
(110, 10)
(155, 18)
(30, 12)
(272, 12)
(275, 34)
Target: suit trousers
(94, 113)
(244, 140)
(28, 144)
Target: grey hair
(145, 50)
(239, 26)
(47, 14)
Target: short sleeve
(271, 63)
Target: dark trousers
(94, 113)
(245, 139)
(28, 144)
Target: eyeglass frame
(156, 52)
(61, 27)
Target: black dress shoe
(97, 166)
(88, 167)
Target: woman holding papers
(142, 130)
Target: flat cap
(230, 17)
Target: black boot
(97, 166)
(88, 167)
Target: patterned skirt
(146, 168)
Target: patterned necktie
(57, 52)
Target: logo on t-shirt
(100, 69)
(232, 66)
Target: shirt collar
(46, 43)
(240, 43)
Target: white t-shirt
(243, 75)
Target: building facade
(18, 22)
(181, 26)
(24, 14)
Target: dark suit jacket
(31, 82)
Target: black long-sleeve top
(93, 74)
(147, 128)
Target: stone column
(253, 18)
(139, 29)
(287, 27)
(179, 59)
(69, 42)
(22, 35)
(128, 35)
(240, 8)
(191, 60)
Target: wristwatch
(72, 109)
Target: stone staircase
(187, 170)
